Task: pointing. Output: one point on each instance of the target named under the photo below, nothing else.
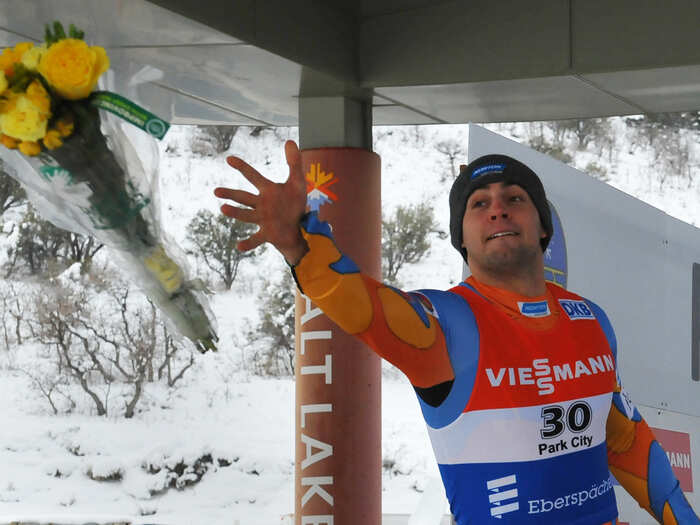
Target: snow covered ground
(241, 426)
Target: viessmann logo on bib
(544, 376)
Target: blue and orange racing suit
(520, 395)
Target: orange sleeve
(400, 327)
(641, 466)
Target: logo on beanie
(555, 261)
(490, 168)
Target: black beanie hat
(495, 168)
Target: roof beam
(304, 31)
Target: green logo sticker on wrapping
(49, 172)
(133, 113)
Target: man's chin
(508, 261)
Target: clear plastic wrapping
(102, 181)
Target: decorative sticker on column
(317, 184)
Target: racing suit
(520, 395)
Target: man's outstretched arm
(396, 325)
(635, 457)
(401, 327)
(641, 466)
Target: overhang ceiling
(418, 61)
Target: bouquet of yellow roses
(75, 152)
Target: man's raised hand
(276, 209)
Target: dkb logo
(576, 309)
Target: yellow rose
(52, 139)
(26, 115)
(72, 68)
(29, 148)
(32, 56)
(10, 56)
(65, 126)
(8, 142)
(22, 48)
(37, 94)
(3, 81)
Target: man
(516, 377)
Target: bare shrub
(452, 149)
(210, 141)
(672, 157)
(13, 312)
(101, 340)
(54, 388)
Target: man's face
(501, 229)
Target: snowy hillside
(222, 423)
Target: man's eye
(517, 198)
(478, 204)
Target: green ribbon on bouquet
(132, 113)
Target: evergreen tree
(406, 238)
(215, 238)
(39, 243)
(11, 193)
(539, 139)
(585, 131)
(273, 339)
(653, 126)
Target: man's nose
(498, 209)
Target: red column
(338, 379)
